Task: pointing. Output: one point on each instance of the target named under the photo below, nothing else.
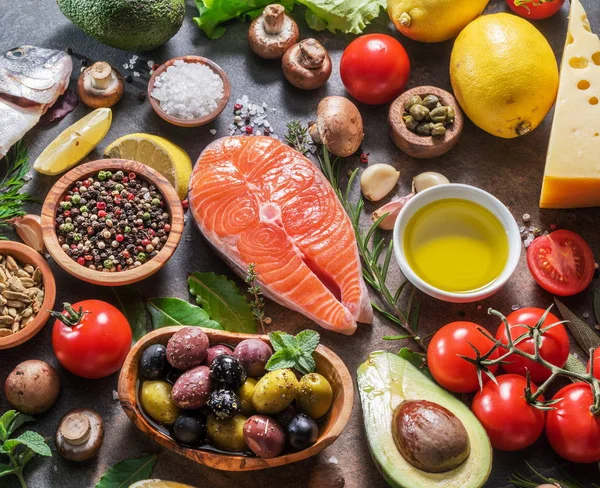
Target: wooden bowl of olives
(206, 395)
(425, 122)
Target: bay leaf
(174, 311)
(583, 333)
(125, 473)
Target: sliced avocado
(384, 381)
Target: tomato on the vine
(561, 262)
(451, 371)
(596, 359)
(554, 348)
(91, 338)
(572, 430)
(535, 9)
(374, 68)
(511, 422)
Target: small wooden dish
(119, 278)
(201, 120)
(328, 364)
(424, 147)
(26, 255)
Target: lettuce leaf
(348, 16)
(213, 13)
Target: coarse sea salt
(188, 90)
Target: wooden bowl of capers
(425, 122)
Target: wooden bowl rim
(35, 259)
(127, 396)
(200, 120)
(438, 145)
(121, 277)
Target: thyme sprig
(297, 136)
(257, 303)
(522, 481)
(376, 253)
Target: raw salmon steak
(259, 201)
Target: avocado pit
(429, 436)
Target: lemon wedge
(157, 152)
(74, 143)
(158, 484)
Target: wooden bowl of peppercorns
(112, 222)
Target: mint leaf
(127, 472)
(293, 352)
(18, 421)
(174, 311)
(308, 340)
(282, 359)
(35, 442)
(306, 364)
(6, 469)
(223, 302)
(277, 340)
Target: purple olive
(215, 351)
(253, 354)
(264, 436)
(187, 348)
(192, 389)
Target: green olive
(315, 395)
(414, 100)
(275, 391)
(245, 393)
(431, 101)
(439, 114)
(424, 129)
(438, 129)
(419, 112)
(227, 434)
(156, 401)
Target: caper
(451, 114)
(439, 114)
(414, 100)
(424, 129)
(410, 122)
(419, 112)
(431, 101)
(438, 129)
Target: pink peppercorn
(120, 237)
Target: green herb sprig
(297, 136)
(19, 450)
(257, 304)
(127, 472)
(293, 351)
(522, 481)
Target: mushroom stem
(274, 15)
(313, 131)
(312, 54)
(101, 75)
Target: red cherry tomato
(509, 420)
(596, 358)
(95, 343)
(555, 343)
(561, 262)
(572, 430)
(535, 9)
(375, 68)
(443, 356)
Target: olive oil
(456, 245)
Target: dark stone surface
(510, 169)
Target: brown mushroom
(272, 33)
(100, 85)
(339, 126)
(80, 434)
(307, 65)
(429, 436)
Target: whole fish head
(34, 75)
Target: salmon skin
(256, 200)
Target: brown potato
(32, 387)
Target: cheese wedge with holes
(572, 175)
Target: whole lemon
(433, 20)
(504, 74)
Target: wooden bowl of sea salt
(189, 91)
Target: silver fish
(31, 79)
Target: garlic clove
(393, 210)
(378, 180)
(428, 179)
(29, 229)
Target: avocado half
(384, 381)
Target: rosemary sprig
(376, 253)
(297, 136)
(522, 481)
(11, 197)
(257, 304)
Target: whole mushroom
(272, 33)
(100, 85)
(32, 387)
(339, 126)
(307, 65)
(80, 434)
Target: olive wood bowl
(119, 278)
(328, 364)
(424, 147)
(26, 255)
(200, 120)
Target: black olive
(228, 371)
(302, 432)
(190, 429)
(153, 362)
(225, 404)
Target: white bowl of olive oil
(457, 243)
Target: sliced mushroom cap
(339, 126)
(272, 33)
(100, 85)
(307, 65)
(80, 434)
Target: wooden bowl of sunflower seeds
(27, 293)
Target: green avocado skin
(131, 25)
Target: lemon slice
(158, 484)
(74, 143)
(157, 152)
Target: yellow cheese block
(572, 175)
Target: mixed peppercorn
(112, 222)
